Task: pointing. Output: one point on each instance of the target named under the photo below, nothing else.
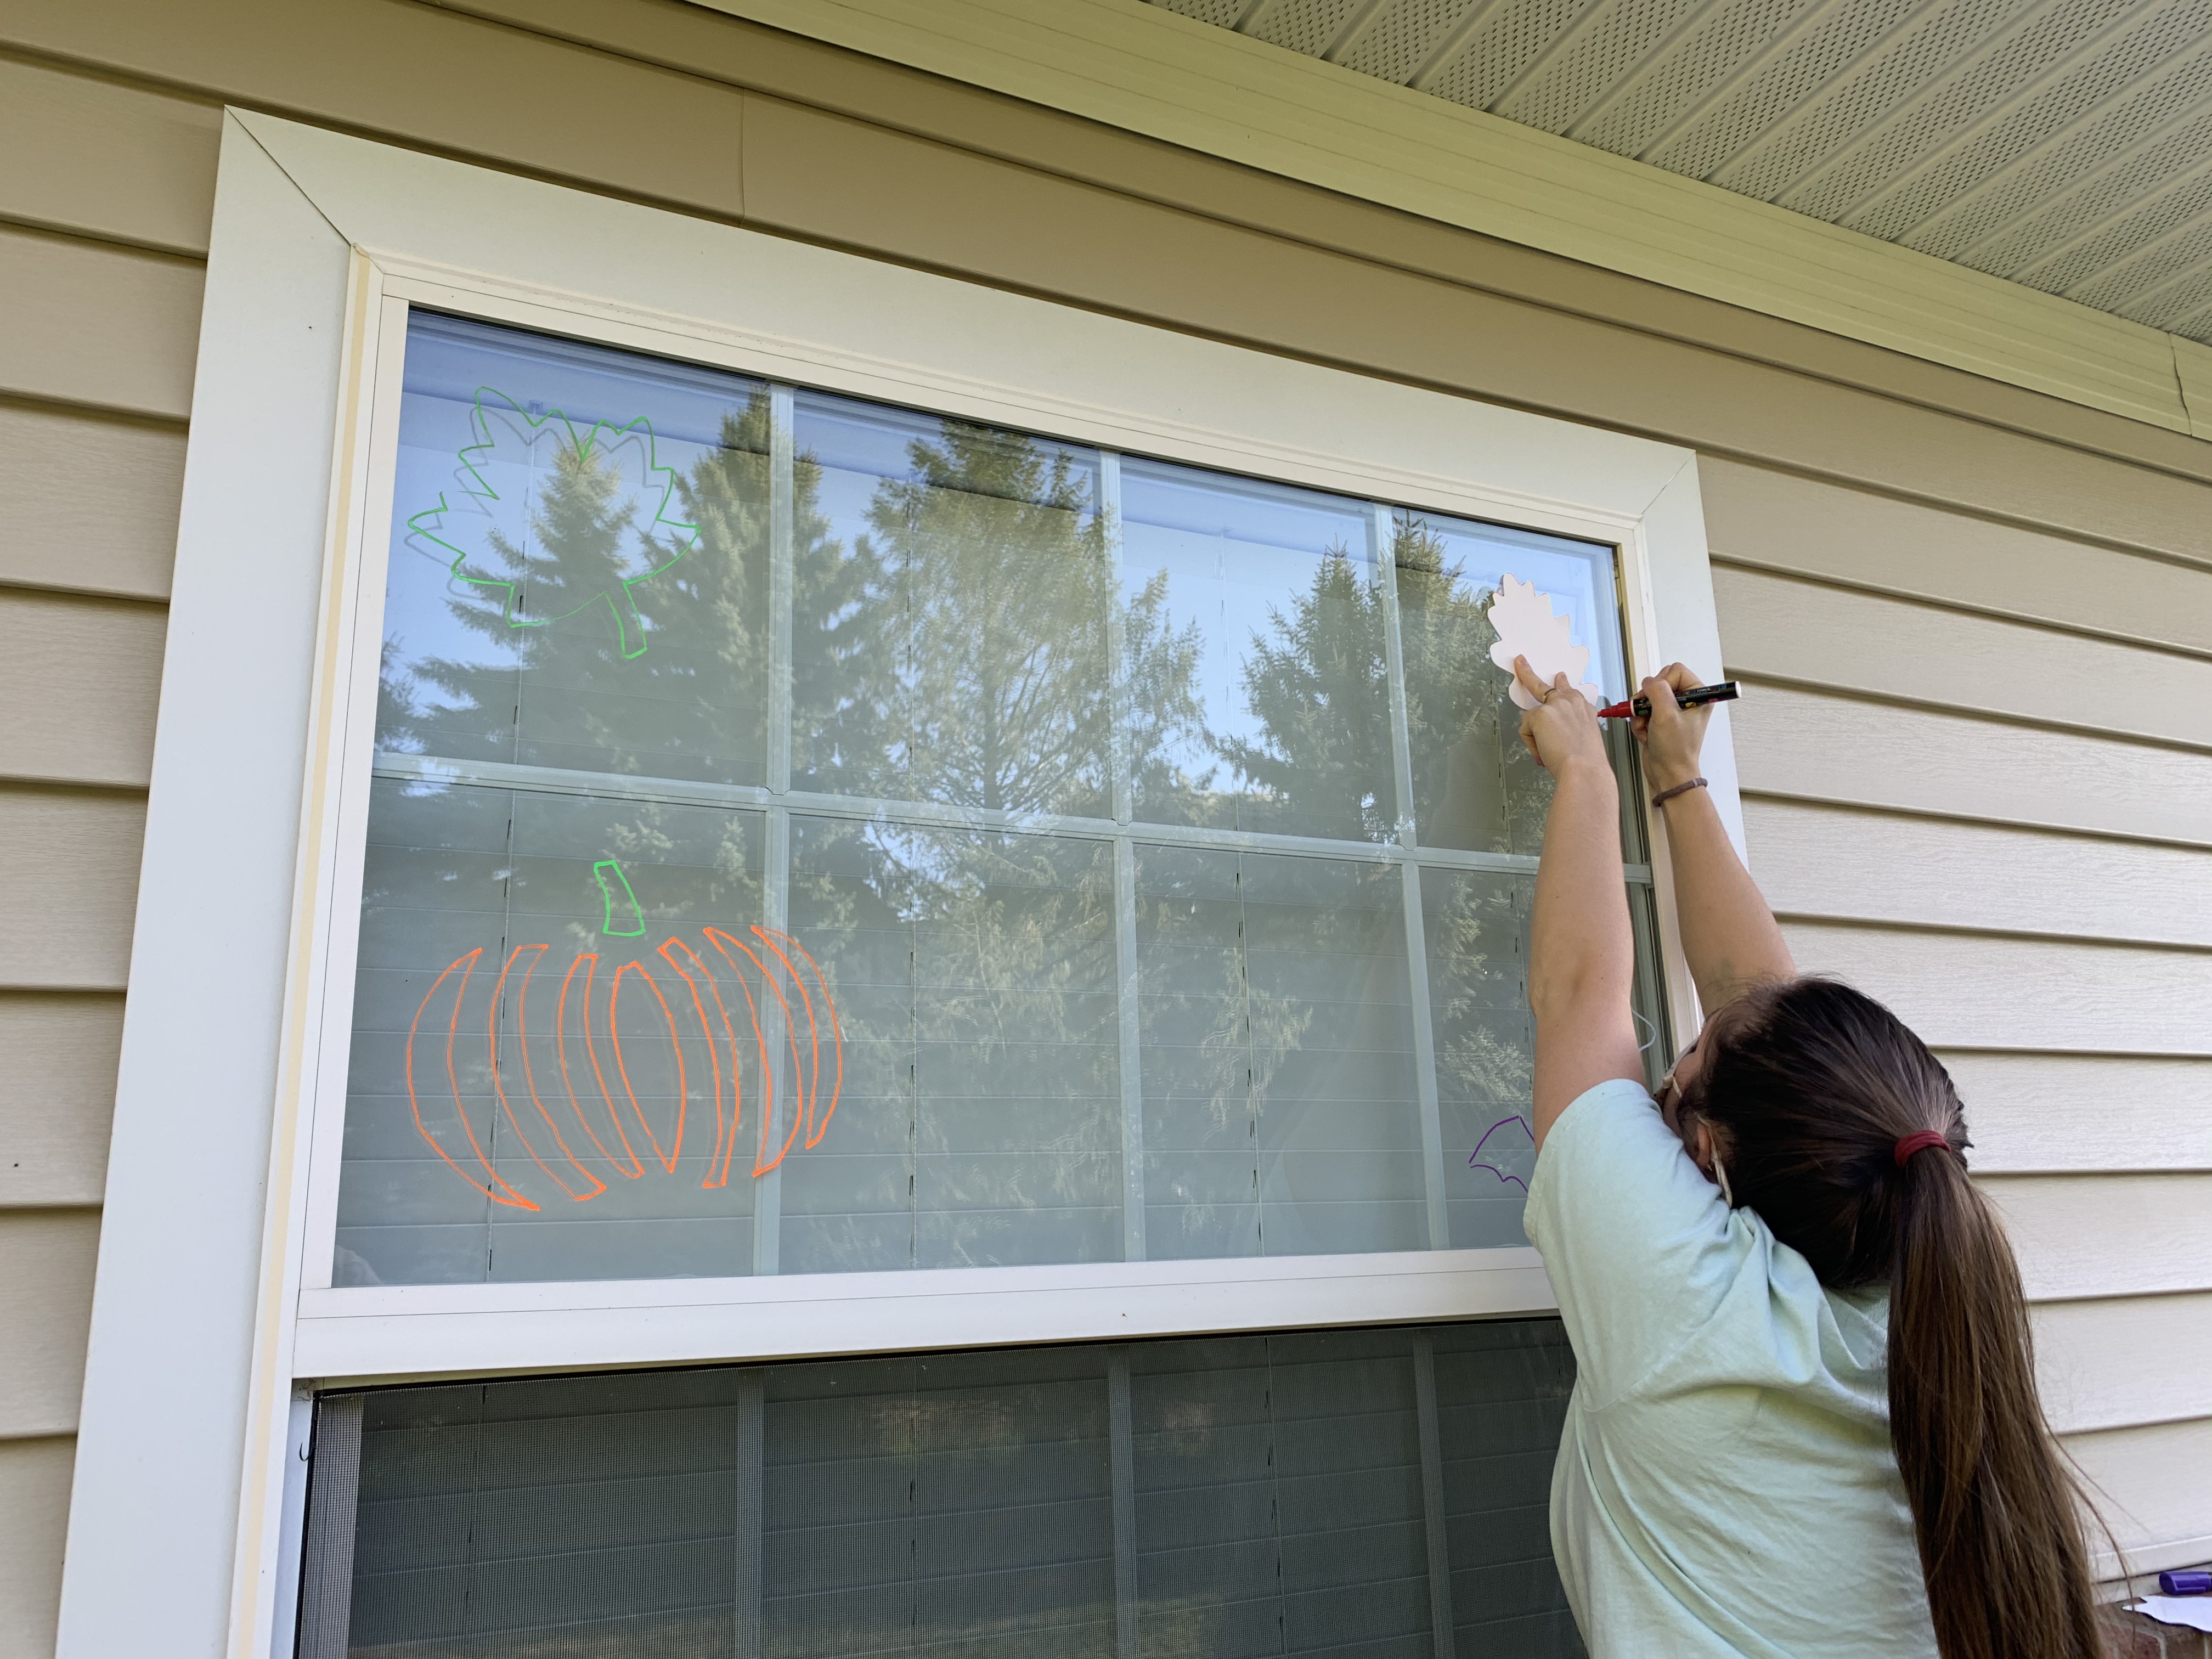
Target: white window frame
(321, 243)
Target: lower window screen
(1373, 1492)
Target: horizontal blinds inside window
(1279, 1494)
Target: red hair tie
(1918, 1140)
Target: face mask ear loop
(1720, 1174)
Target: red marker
(1722, 692)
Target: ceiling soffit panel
(2062, 144)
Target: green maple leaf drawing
(583, 548)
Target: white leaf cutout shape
(1527, 627)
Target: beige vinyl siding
(1941, 568)
(1851, 863)
(34, 1492)
(68, 887)
(80, 678)
(45, 1303)
(89, 504)
(1814, 634)
(116, 161)
(2149, 1482)
(1757, 518)
(95, 377)
(2168, 1339)
(2035, 1113)
(57, 1092)
(1808, 745)
(98, 324)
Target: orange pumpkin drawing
(774, 960)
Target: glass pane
(1647, 998)
(1474, 785)
(1273, 1500)
(1501, 1401)
(515, 1520)
(1265, 702)
(962, 1504)
(544, 1075)
(1279, 1496)
(950, 595)
(1475, 924)
(1280, 1108)
(578, 572)
(980, 1121)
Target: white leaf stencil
(1527, 627)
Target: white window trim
(202, 1330)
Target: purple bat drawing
(1475, 1158)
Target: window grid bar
(1424, 1062)
(1433, 1496)
(752, 1475)
(924, 815)
(1380, 534)
(1128, 985)
(1127, 980)
(780, 515)
(1109, 515)
(775, 913)
(775, 854)
(1381, 528)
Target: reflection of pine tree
(568, 681)
(1320, 692)
(1453, 695)
(966, 635)
(580, 521)
(1006, 946)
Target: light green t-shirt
(1725, 1483)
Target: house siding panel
(34, 1491)
(1912, 540)
(91, 155)
(45, 1307)
(80, 678)
(89, 504)
(95, 322)
(56, 1096)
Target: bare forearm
(1580, 943)
(1729, 934)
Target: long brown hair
(1808, 1086)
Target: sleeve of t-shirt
(1636, 1241)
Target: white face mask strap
(1720, 1174)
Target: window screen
(808, 835)
(1378, 1493)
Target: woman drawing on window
(1805, 1421)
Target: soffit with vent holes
(2063, 144)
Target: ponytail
(1810, 1086)
(1994, 1507)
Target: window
(1038, 870)
(809, 836)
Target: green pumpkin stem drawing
(608, 873)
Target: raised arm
(1581, 958)
(1729, 934)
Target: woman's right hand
(1673, 737)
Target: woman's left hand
(1562, 728)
